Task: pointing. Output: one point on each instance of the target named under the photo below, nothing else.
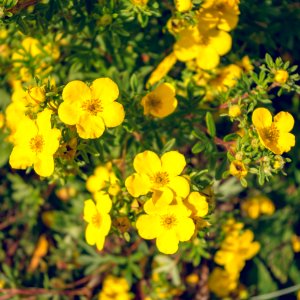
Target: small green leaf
(210, 123)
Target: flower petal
(69, 112)
(180, 186)
(261, 118)
(207, 58)
(148, 226)
(105, 224)
(221, 41)
(138, 184)
(91, 234)
(90, 127)
(44, 165)
(284, 121)
(147, 162)
(105, 90)
(113, 114)
(21, 158)
(167, 242)
(76, 91)
(285, 142)
(103, 202)
(89, 210)
(185, 229)
(173, 162)
(100, 242)
(162, 197)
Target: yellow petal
(43, 121)
(51, 141)
(180, 186)
(105, 224)
(228, 21)
(148, 226)
(285, 142)
(100, 242)
(162, 197)
(221, 41)
(104, 202)
(20, 158)
(91, 234)
(69, 113)
(147, 162)
(44, 165)
(261, 118)
(185, 229)
(198, 204)
(94, 184)
(167, 242)
(173, 162)
(207, 58)
(89, 210)
(113, 114)
(76, 91)
(90, 127)
(105, 90)
(284, 121)
(138, 184)
(26, 130)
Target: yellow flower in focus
(161, 102)
(35, 143)
(197, 204)
(238, 169)
(221, 282)
(222, 14)
(183, 5)
(274, 135)
(162, 69)
(296, 243)
(91, 108)
(204, 46)
(234, 111)
(169, 225)
(159, 175)
(98, 219)
(114, 288)
(281, 76)
(102, 177)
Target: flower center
(92, 106)
(168, 221)
(272, 133)
(96, 220)
(37, 143)
(204, 40)
(160, 179)
(154, 102)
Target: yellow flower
(158, 175)
(98, 219)
(162, 69)
(204, 46)
(2, 120)
(35, 144)
(267, 207)
(274, 135)
(36, 95)
(252, 208)
(114, 288)
(232, 227)
(281, 76)
(238, 169)
(192, 279)
(183, 5)
(161, 102)
(91, 108)
(222, 14)
(246, 64)
(197, 204)
(221, 282)
(296, 243)
(169, 225)
(234, 111)
(139, 2)
(103, 176)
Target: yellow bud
(281, 76)
(234, 111)
(238, 169)
(296, 243)
(36, 94)
(192, 279)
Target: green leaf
(198, 147)
(210, 123)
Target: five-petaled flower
(35, 143)
(160, 176)
(274, 135)
(91, 108)
(170, 224)
(98, 219)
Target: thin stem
(276, 294)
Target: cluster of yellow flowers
(170, 211)
(237, 247)
(115, 288)
(258, 205)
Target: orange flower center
(168, 221)
(96, 220)
(93, 106)
(272, 134)
(37, 144)
(153, 102)
(160, 179)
